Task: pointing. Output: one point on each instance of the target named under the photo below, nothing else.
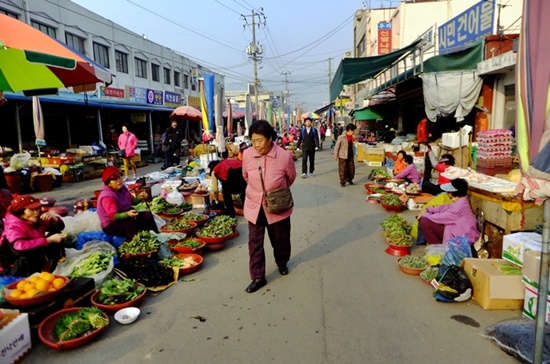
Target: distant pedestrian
(166, 146)
(176, 137)
(343, 153)
(127, 141)
(323, 133)
(309, 142)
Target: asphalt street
(344, 301)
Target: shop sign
(154, 97)
(138, 117)
(194, 101)
(341, 102)
(172, 99)
(111, 92)
(384, 37)
(467, 28)
(498, 64)
(136, 94)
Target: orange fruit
(33, 279)
(51, 289)
(47, 276)
(23, 296)
(42, 285)
(58, 283)
(21, 284)
(15, 293)
(28, 286)
(31, 292)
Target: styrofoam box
(515, 245)
(530, 303)
(452, 140)
(15, 340)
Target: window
(121, 60)
(167, 72)
(193, 86)
(155, 70)
(141, 68)
(75, 41)
(361, 47)
(177, 79)
(185, 81)
(101, 55)
(44, 28)
(5, 12)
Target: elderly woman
(24, 248)
(343, 153)
(278, 171)
(114, 207)
(441, 223)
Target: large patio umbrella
(533, 134)
(185, 113)
(35, 63)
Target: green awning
(353, 70)
(459, 61)
(368, 114)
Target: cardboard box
(530, 303)
(515, 245)
(531, 268)
(15, 340)
(452, 140)
(494, 290)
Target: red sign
(112, 92)
(384, 38)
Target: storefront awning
(353, 70)
(368, 113)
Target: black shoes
(342, 184)
(351, 183)
(256, 285)
(283, 270)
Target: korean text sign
(384, 37)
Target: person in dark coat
(176, 137)
(309, 142)
(166, 147)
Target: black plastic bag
(454, 284)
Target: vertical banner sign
(384, 38)
(467, 28)
(204, 109)
(209, 94)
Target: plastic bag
(83, 221)
(434, 254)
(459, 248)
(86, 236)
(7, 280)
(74, 256)
(517, 338)
(19, 161)
(454, 285)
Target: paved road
(344, 301)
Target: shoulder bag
(278, 200)
(122, 152)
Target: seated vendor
(24, 247)
(439, 224)
(447, 160)
(399, 165)
(409, 174)
(114, 207)
(230, 173)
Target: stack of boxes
(494, 154)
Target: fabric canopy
(367, 114)
(451, 83)
(353, 70)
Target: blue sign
(467, 28)
(154, 97)
(136, 94)
(173, 98)
(384, 25)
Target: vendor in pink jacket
(24, 247)
(439, 224)
(278, 171)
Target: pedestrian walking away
(127, 141)
(343, 153)
(278, 171)
(309, 142)
(175, 135)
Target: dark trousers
(308, 154)
(433, 232)
(346, 170)
(279, 236)
(130, 227)
(167, 158)
(431, 188)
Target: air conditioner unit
(251, 89)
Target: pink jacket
(458, 219)
(132, 143)
(24, 235)
(278, 172)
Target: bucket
(14, 181)
(42, 182)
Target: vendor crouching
(24, 247)
(114, 207)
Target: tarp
(353, 70)
(451, 83)
(368, 114)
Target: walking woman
(343, 153)
(127, 141)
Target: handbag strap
(127, 140)
(261, 176)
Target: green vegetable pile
(391, 199)
(95, 263)
(379, 190)
(223, 221)
(430, 274)
(191, 216)
(192, 243)
(115, 291)
(177, 224)
(396, 230)
(173, 211)
(178, 262)
(79, 323)
(379, 173)
(142, 242)
(413, 262)
(214, 231)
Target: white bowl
(127, 315)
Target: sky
(298, 38)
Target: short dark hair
(261, 127)
(450, 160)
(350, 127)
(461, 186)
(408, 159)
(402, 152)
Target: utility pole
(255, 53)
(286, 103)
(329, 79)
